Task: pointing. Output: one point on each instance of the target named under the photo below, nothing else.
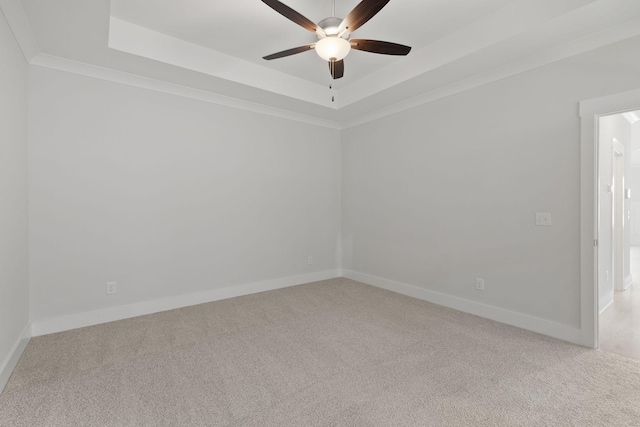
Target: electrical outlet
(543, 219)
(607, 274)
(479, 284)
(310, 260)
(112, 288)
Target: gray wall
(169, 196)
(446, 192)
(14, 286)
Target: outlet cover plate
(112, 288)
(543, 219)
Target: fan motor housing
(330, 27)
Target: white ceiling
(249, 29)
(217, 47)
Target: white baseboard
(9, 364)
(90, 318)
(627, 282)
(535, 324)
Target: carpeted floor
(335, 353)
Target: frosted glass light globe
(333, 47)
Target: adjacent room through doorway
(619, 233)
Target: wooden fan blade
(376, 46)
(289, 52)
(337, 69)
(360, 14)
(291, 14)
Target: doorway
(590, 111)
(618, 301)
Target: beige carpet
(334, 353)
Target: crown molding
(16, 17)
(144, 42)
(81, 68)
(512, 20)
(17, 20)
(621, 32)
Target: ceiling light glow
(333, 48)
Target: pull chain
(333, 69)
(333, 63)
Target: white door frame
(590, 111)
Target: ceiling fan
(333, 35)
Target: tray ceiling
(217, 47)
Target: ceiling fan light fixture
(334, 34)
(333, 48)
